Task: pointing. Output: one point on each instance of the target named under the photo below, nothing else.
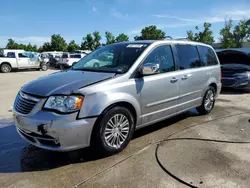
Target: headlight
(64, 104)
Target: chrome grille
(24, 103)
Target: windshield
(116, 58)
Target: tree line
(231, 36)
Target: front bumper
(235, 83)
(63, 132)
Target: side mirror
(150, 69)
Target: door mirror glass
(150, 69)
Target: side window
(20, 55)
(162, 56)
(188, 57)
(11, 55)
(208, 57)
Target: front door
(159, 92)
(23, 61)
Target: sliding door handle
(173, 80)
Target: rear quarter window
(207, 55)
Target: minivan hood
(64, 82)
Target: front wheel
(208, 102)
(113, 131)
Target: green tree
(204, 36)
(58, 43)
(91, 42)
(29, 47)
(12, 44)
(73, 46)
(88, 42)
(151, 33)
(122, 37)
(97, 40)
(45, 47)
(110, 39)
(241, 33)
(227, 38)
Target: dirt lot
(185, 151)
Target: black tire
(44, 66)
(5, 68)
(203, 109)
(99, 142)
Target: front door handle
(173, 80)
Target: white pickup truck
(18, 60)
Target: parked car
(68, 59)
(81, 52)
(25, 60)
(54, 60)
(235, 66)
(4, 52)
(101, 103)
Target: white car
(68, 59)
(17, 60)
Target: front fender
(96, 103)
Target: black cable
(195, 139)
(160, 141)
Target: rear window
(75, 56)
(65, 56)
(207, 55)
(11, 55)
(188, 57)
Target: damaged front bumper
(56, 132)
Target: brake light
(67, 60)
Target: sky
(35, 21)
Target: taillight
(67, 60)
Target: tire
(5, 68)
(104, 134)
(208, 102)
(44, 66)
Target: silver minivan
(100, 101)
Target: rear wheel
(5, 68)
(208, 102)
(44, 66)
(113, 131)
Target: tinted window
(20, 55)
(188, 56)
(162, 56)
(65, 56)
(11, 55)
(207, 56)
(75, 56)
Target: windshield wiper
(96, 70)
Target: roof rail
(182, 39)
(169, 37)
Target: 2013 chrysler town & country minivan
(101, 101)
